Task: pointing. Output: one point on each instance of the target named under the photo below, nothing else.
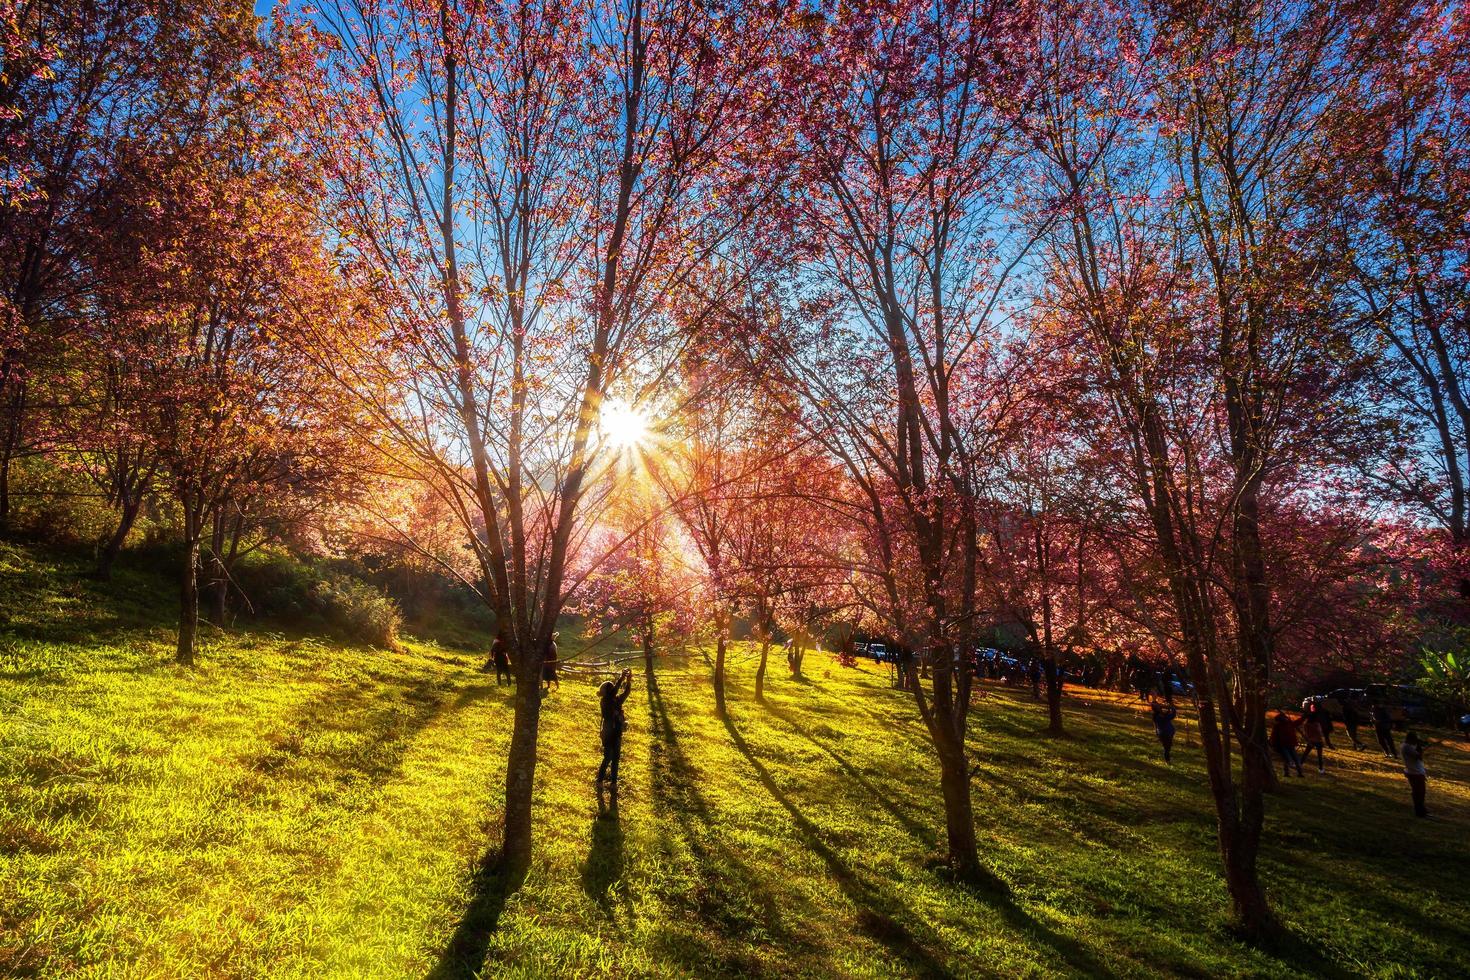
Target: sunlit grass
(296, 808)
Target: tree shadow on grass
(604, 866)
(923, 833)
(1073, 953)
(1303, 954)
(876, 915)
(463, 957)
(732, 900)
(876, 911)
(389, 721)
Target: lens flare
(623, 426)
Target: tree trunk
(189, 602)
(648, 653)
(113, 546)
(4, 490)
(959, 817)
(520, 765)
(720, 672)
(760, 670)
(10, 444)
(1053, 695)
(219, 579)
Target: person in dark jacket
(1163, 715)
(1383, 728)
(1351, 720)
(1316, 713)
(611, 697)
(1033, 673)
(1284, 740)
(549, 666)
(500, 659)
(1312, 731)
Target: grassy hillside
(295, 808)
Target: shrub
(359, 610)
(279, 585)
(59, 506)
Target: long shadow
(875, 916)
(880, 923)
(464, 955)
(392, 731)
(733, 900)
(604, 865)
(924, 833)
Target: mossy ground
(296, 808)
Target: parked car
(1406, 705)
(1333, 701)
(879, 652)
(1181, 688)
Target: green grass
(293, 808)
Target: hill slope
(296, 808)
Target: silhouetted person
(1143, 679)
(1283, 740)
(1312, 732)
(1351, 720)
(1163, 715)
(1033, 673)
(500, 659)
(1383, 728)
(1168, 684)
(549, 665)
(1413, 753)
(612, 695)
(1323, 718)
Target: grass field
(293, 808)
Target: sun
(623, 426)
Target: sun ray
(624, 426)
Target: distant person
(500, 659)
(1284, 741)
(1144, 679)
(904, 662)
(1168, 684)
(549, 666)
(1312, 733)
(612, 695)
(1033, 673)
(1383, 728)
(1413, 754)
(1351, 720)
(1163, 715)
(1315, 712)
(1324, 717)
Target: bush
(59, 506)
(279, 585)
(359, 610)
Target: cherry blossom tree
(531, 192)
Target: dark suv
(1406, 705)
